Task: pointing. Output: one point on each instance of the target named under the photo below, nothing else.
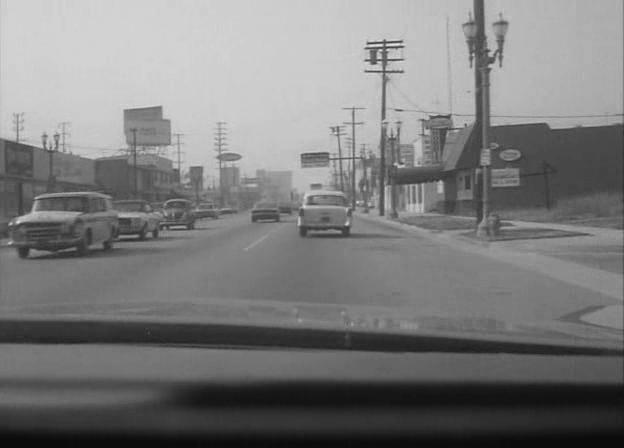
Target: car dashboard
(163, 394)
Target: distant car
(60, 221)
(265, 211)
(137, 217)
(227, 211)
(324, 210)
(285, 207)
(207, 210)
(178, 212)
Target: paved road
(232, 258)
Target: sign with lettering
(506, 177)
(18, 159)
(486, 157)
(315, 160)
(510, 155)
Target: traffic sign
(315, 160)
(486, 157)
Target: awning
(419, 174)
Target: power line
(420, 110)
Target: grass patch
(527, 234)
(444, 222)
(599, 209)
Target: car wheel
(83, 247)
(346, 231)
(155, 232)
(303, 231)
(23, 252)
(108, 245)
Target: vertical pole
(479, 17)
(382, 161)
(546, 184)
(393, 210)
(353, 158)
(134, 157)
(482, 229)
(340, 159)
(51, 172)
(365, 189)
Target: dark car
(285, 207)
(178, 212)
(265, 211)
(207, 210)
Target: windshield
(62, 204)
(129, 206)
(366, 169)
(176, 204)
(325, 200)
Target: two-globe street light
(477, 49)
(51, 150)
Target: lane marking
(258, 241)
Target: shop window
(467, 182)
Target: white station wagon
(324, 210)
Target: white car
(136, 217)
(64, 220)
(325, 210)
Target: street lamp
(51, 150)
(478, 49)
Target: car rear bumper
(265, 215)
(317, 225)
(174, 222)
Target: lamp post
(477, 48)
(392, 173)
(51, 150)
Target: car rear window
(325, 200)
(176, 204)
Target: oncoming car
(324, 210)
(136, 217)
(60, 221)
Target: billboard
(197, 177)
(151, 128)
(505, 177)
(18, 159)
(315, 160)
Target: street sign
(486, 157)
(315, 160)
(510, 155)
(505, 177)
(494, 146)
(229, 157)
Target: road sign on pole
(486, 157)
(315, 160)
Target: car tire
(155, 232)
(143, 232)
(83, 247)
(23, 252)
(190, 226)
(346, 231)
(108, 245)
(303, 231)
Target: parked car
(158, 208)
(227, 210)
(137, 217)
(285, 207)
(60, 221)
(265, 211)
(178, 212)
(207, 210)
(325, 210)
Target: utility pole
(337, 131)
(376, 48)
(18, 124)
(220, 140)
(177, 136)
(134, 157)
(353, 124)
(364, 176)
(64, 133)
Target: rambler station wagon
(60, 221)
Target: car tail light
(301, 212)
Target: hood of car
(47, 216)
(367, 319)
(131, 214)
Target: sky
(280, 72)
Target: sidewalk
(588, 257)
